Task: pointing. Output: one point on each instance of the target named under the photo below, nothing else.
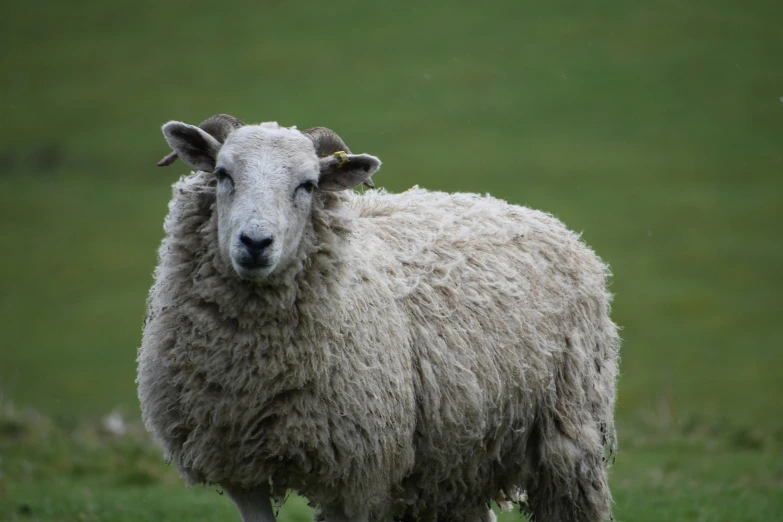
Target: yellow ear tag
(343, 157)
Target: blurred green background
(655, 128)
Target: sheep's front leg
(254, 505)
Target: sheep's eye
(307, 186)
(222, 175)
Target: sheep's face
(267, 177)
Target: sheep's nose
(255, 244)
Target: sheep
(406, 357)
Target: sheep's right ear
(194, 146)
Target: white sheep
(402, 357)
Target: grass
(653, 128)
(96, 469)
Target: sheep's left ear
(342, 171)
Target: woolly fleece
(426, 354)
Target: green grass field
(654, 128)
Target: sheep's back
(502, 301)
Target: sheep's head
(267, 177)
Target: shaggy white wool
(425, 354)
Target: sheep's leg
(254, 506)
(339, 516)
(569, 480)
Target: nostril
(255, 244)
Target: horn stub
(326, 141)
(220, 126)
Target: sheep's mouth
(249, 268)
(254, 274)
(249, 263)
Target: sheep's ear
(194, 146)
(342, 171)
